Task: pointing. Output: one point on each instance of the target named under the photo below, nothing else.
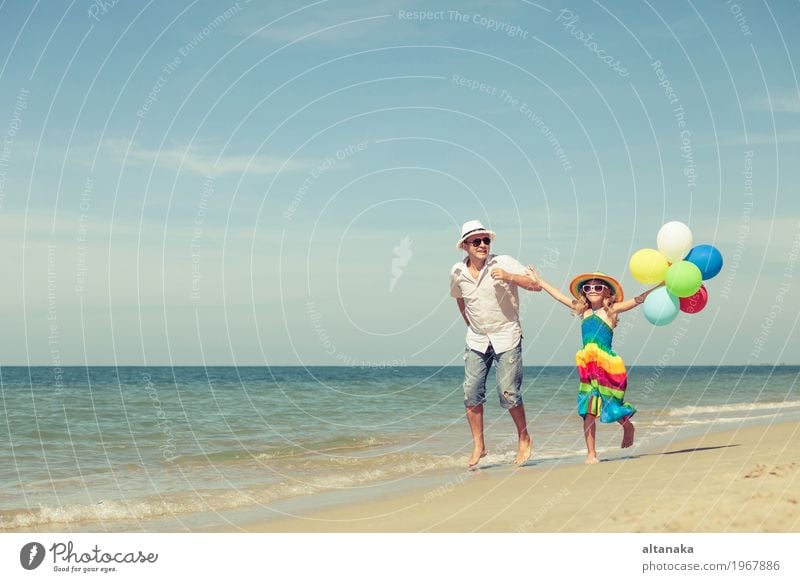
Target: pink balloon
(696, 302)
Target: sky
(283, 183)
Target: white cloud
(319, 28)
(201, 163)
(761, 138)
(762, 237)
(780, 103)
(319, 23)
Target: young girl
(598, 301)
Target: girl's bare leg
(588, 433)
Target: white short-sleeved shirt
(492, 306)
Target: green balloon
(683, 279)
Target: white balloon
(674, 241)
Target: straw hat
(613, 284)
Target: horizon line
(376, 367)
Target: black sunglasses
(477, 242)
(595, 288)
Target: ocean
(175, 449)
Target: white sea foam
(151, 507)
(724, 420)
(741, 407)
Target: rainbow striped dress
(602, 374)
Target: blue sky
(283, 182)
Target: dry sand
(746, 480)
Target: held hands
(499, 274)
(533, 274)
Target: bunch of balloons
(681, 267)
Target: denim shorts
(509, 376)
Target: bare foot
(524, 450)
(627, 434)
(591, 460)
(477, 455)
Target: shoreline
(742, 480)
(749, 476)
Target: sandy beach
(745, 480)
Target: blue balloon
(707, 258)
(661, 307)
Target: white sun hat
(473, 227)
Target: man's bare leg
(627, 432)
(589, 433)
(525, 444)
(475, 420)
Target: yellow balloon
(648, 266)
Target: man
(485, 288)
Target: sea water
(124, 446)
